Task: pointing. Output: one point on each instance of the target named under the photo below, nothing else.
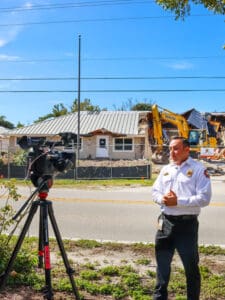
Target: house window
(102, 143)
(123, 144)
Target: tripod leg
(45, 241)
(5, 274)
(41, 244)
(69, 270)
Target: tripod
(46, 210)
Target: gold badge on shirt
(189, 173)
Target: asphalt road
(127, 214)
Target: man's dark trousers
(184, 239)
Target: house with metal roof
(104, 134)
(4, 139)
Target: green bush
(8, 195)
(20, 158)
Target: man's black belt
(180, 217)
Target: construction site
(204, 131)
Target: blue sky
(119, 39)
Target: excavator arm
(177, 120)
(160, 149)
(167, 116)
(157, 126)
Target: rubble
(213, 168)
(215, 171)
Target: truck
(164, 123)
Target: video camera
(44, 160)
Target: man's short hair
(185, 141)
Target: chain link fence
(127, 161)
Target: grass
(93, 183)
(130, 278)
(105, 183)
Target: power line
(112, 78)
(118, 19)
(72, 5)
(154, 58)
(116, 91)
(38, 78)
(14, 60)
(153, 77)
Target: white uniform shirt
(191, 184)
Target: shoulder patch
(206, 173)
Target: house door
(102, 149)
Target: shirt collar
(188, 161)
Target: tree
(182, 8)
(84, 105)
(142, 106)
(145, 105)
(57, 111)
(19, 125)
(6, 123)
(60, 110)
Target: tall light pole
(78, 101)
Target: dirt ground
(103, 256)
(124, 254)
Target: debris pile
(215, 171)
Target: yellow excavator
(160, 131)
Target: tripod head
(44, 184)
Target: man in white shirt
(181, 189)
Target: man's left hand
(170, 199)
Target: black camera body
(44, 160)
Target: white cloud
(182, 65)
(2, 42)
(9, 33)
(28, 5)
(8, 36)
(5, 57)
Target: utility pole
(78, 101)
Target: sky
(130, 51)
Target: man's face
(178, 152)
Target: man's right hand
(170, 199)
